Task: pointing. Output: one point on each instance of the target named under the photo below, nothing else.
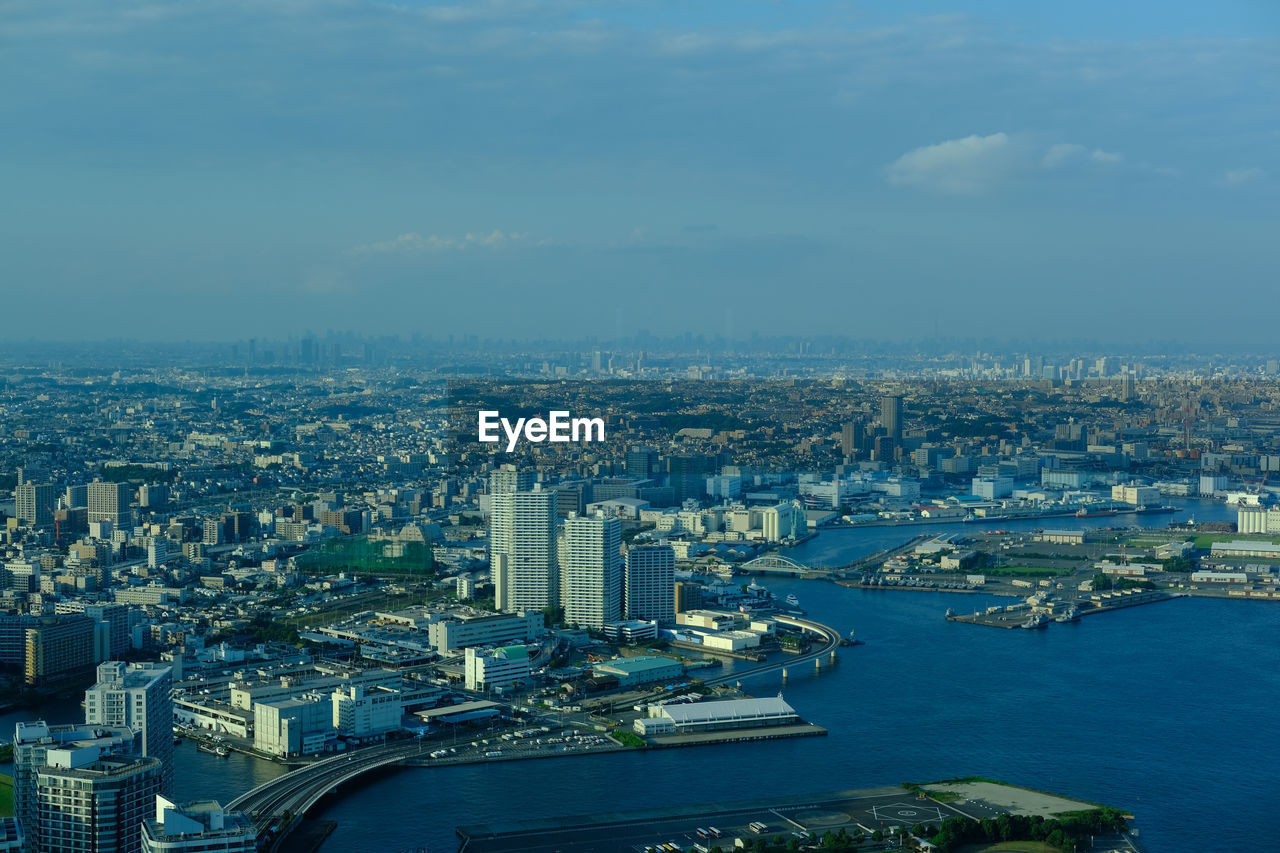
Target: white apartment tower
(522, 549)
(591, 570)
(136, 695)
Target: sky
(220, 169)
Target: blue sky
(517, 168)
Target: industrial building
(640, 670)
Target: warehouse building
(716, 716)
(640, 670)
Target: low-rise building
(640, 670)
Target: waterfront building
(640, 670)
(136, 695)
(198, 827)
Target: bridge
(829, 639)
(281, 802)
(778, 565)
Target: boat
(792, 601)
(177, 740)
(852, 641)
(1095, 513)
(1037, 620)
(1071, 614)
(220, 751)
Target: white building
(1136, 495)
(289, 727)
(199, 827)
(1256, 519)
(650, 583)
(992, 488)
(522, 549)
(591, 570)
(365, 713)
(136, 695)
(458, 631)
(497, 668)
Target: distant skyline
(518, 169)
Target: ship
(1037, 620)
(1071, 614)
(792, 601)
(220, 751)
(851, 640)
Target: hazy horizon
(518, 169)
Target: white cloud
(1237, 177)
(1060, 154)
(962, 166)
(1105, 157)
(414, 243)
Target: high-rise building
(94, 804)
(522, 549)
(651, 583)
(851, 439)
(891, 416)
(76, 496)
(509, 479)
(61, 647)
(688, 596)
(34, 503)
(38, 747)
(153, 495)
(642, 461)
(136, 695)
(688, 475)
(110, 502)
(591, 570)
(116, 616)
(202, 826)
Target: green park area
(6, 796)
(1205, 540)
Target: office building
(110, 502)
(136, 695)
(650, 583)
(642, 462)
(34, 504)
(591, 570)
(198, 827)
(500, 667)
(458, 631)
(522, 542)
(152, 495)
(688, 596)
(891, 416)
(851, 439)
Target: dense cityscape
(300, 552)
